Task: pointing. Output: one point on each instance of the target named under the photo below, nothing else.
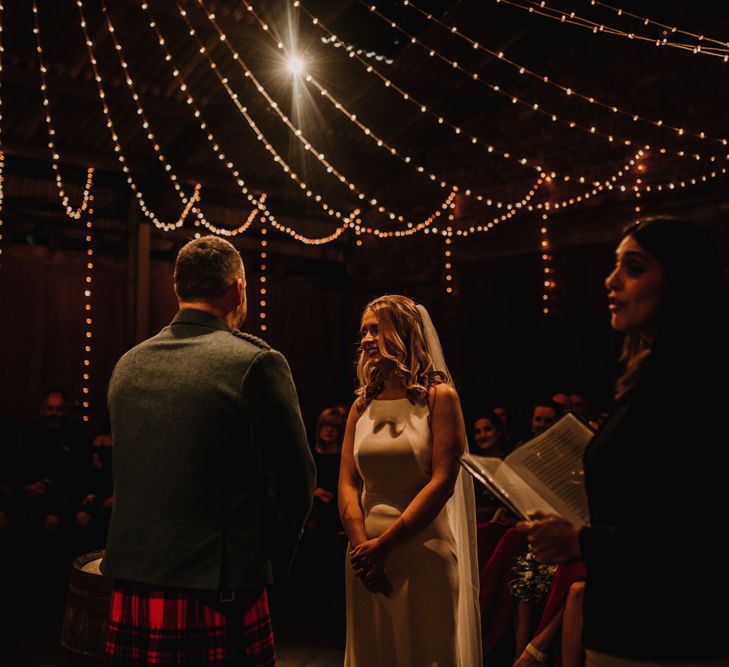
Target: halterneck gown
(416, 625)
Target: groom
(213, 478)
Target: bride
(411, 575)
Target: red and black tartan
(151, 626)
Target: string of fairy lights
(260, 136)
(296, 132)
(543, 9)
(533, 107)
(620, 11)
(373, 136)
(2, 151)
(422, 108)
(148, 212)
(440, 222)
(567, 90)
(74, 214)
(547, 268)
(205, 128)
(262, 280)
(448, 264)
(88, 313)
(427, 225)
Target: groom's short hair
(205, 268)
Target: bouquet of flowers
(533, 579)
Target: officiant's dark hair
(205, 268)
(694, 306)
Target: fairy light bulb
(295, 65)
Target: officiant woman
(656, 481)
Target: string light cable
(88, 319)
(567, 90)
(55, 157)
(223, 37)
(262, 278)
(153, 140)
(278, 159)
(379, 141)
(364, 53)
(259, 203)
(663, 26)
(2, 151)
(533, 107)
(191, 203)
(542, 9)
(295, 131)
(422, 107)
(597, 188)
(425, 225)
(210, 136)
(148, 213)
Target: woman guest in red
(656, 484)
(412, 582)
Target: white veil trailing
(461, 510)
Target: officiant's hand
(553, 539)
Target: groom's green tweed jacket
(213, 477)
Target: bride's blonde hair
(401, 339)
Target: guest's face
(635, 288)
(501, 414)
(542, 418)
(371, 339)
(329, 433)
(54, 408)
(485, 435)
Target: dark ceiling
(675, 86)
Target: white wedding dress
(417, 625)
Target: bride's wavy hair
(401, 339)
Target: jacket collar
(200, 318)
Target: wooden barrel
(87, 613)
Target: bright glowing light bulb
(295, 65)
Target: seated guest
(544, 414)
(56, 460)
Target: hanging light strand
(542, 9)
(189, 203)
(534, 107)
(74, 214)
(372, 135)
(88, 313)
(364, 53)
(297, 133)
(567, 90)
(664, 26)
(277, 158)
(262, 282)
(547, 269)
(207, 131)
(2, 151)
(148, 213)
(422, 108)
(448, 264)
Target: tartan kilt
(150, 625)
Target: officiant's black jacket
(656, 483)
(213, 477)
